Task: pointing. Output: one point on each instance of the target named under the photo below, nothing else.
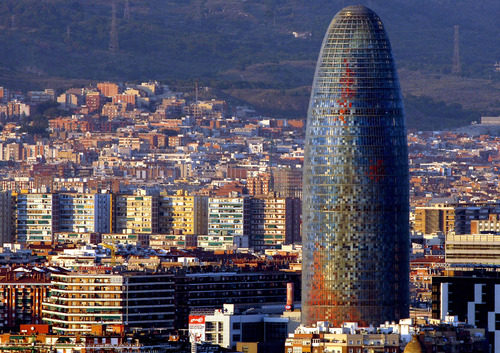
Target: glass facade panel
(356, 189)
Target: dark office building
(464, 214)
(472, 296)
(287, 182)
(214, 289)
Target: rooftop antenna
(68, 34)
(126, 12)
(196, 91)
(456, 68)
(113, 33)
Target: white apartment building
(228, 217)
(36, 217)
(82, 212)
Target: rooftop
(359, 10)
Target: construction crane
(112, 248)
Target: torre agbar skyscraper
(356, 188)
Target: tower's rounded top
(358, 10)
(414, 346)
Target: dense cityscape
(138, 218)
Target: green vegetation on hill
(242, 46)
(424, 113)
(38, 122)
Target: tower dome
(414, 346)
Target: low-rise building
(77, 238)
(407, 336)
(75, 258)
(478, 249)
(167, 241)
(348, 338)
(141, 240)
(41, 342)
(229, 325)
(222, 242)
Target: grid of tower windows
(355, 196)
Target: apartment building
(438, 218)
(222, 242)
(137, 301)
(108, 89)
(136, 214)
(94, 101)
(229, 217)
(37, 217)
(183, 213)
(274, 221)
(22, 291)
(259, 185)
(82, 212)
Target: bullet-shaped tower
(356, 189)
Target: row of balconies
(83, 279)
(90, 312)
(95, 320)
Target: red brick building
(22, 291)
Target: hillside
(243, 47)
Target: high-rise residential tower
(37, 217)
(355, 193)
